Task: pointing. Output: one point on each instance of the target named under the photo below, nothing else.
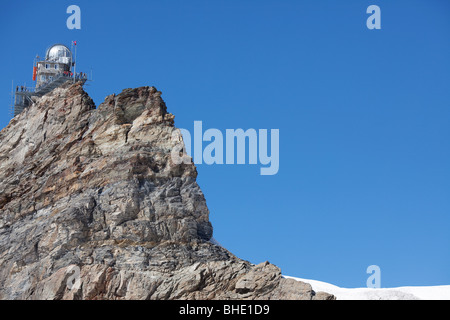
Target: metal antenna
(75, 64)
(11, 106)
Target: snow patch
(400, 293)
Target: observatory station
(58, 67)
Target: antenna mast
(75, 62)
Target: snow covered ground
(400, 293)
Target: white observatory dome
(59, 53)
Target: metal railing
(77, 76)
(24, 89)
(23, 94)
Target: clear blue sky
(364, 118)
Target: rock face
(93, 207)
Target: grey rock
(95, 190)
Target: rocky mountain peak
(95, 190)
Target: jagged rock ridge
(96, 189)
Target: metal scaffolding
(23, 95)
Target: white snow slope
(400, 293)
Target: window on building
(56, 67)
(47, 66)
(42, 78)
